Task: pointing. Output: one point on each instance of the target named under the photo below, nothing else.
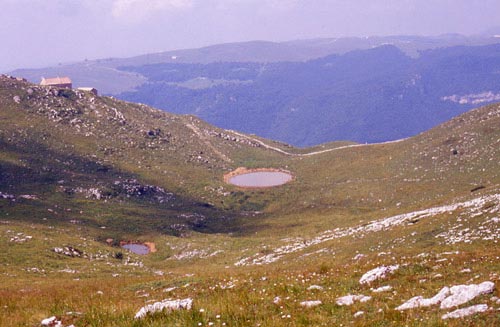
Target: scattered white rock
(315, 287)
(28, 197)
(202, 254)
(359, 256)
(165, 304)
(495, 299)
(470, 207)
(419, 301)
(20, 238)
(459, 313)
(359, 314)
(310, 304)
(449, 253)
(35, 270)
(450, 297)
(7, 196)
(350, 299)
(170, 289)
(382, 289)
(461, 294)
(68, 251)
(377, 273)
(52, 322)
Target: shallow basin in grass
(259, 178)
(136, 248)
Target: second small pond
(136, 248)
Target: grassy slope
(43, 153)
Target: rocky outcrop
(168, 305)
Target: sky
(37, 33)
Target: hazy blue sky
(41, 32)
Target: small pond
(261, 179)
(137, 248)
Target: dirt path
(202, 137)
(310, 153)
(198, 133)
(261, 143)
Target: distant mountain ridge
(106, 75)
(370, 95)
(308, 92)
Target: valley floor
(357, 275)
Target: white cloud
(139, 10)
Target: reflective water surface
(261, 179)
(136, 248)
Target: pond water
(261, 179)
(136, 248)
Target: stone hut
(62, 82)
(89, 89)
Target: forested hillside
(371, 95)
